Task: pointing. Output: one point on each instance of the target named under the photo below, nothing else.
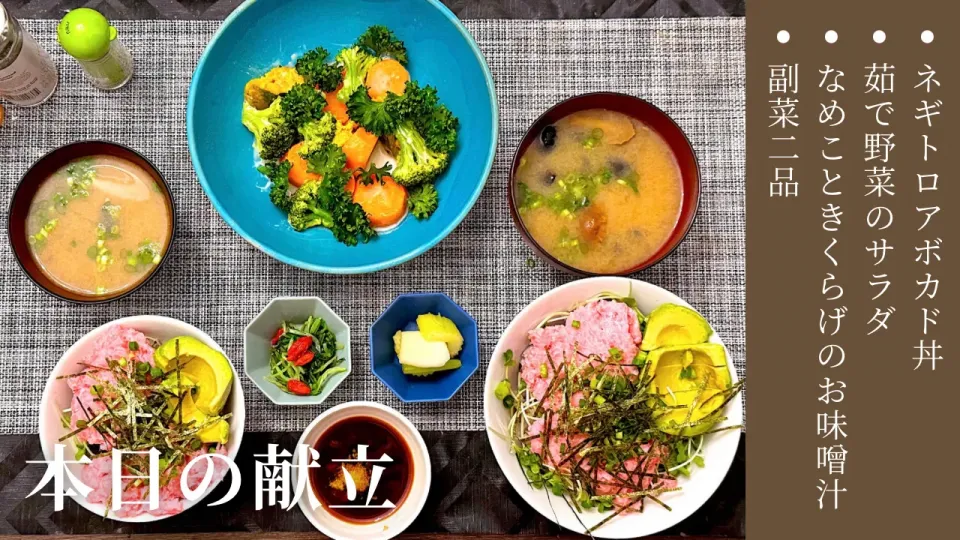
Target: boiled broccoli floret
(272, 135)
(306, 209)
(380, 41)
(423, 200)
(278, 173)
(432, 119)
(316, 71)
(275, 141)
(330, 78)
(327, 161)
(439, 129)
(350, 222)
(416, 164)
(355, 63)
(326, 202)
(302, 104)
(377, 117)
(414, 101)
(313, 205)
(317, 133)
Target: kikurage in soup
(599, 190)
(99, 225)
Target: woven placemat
(693, 69)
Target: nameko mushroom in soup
(600, 191)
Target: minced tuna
(114, 343)
(591, 333)
(97, 476)
(592, 330)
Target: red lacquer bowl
(654, 118)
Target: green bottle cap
(85, 34)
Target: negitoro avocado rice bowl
(609, 407)
(137, 384)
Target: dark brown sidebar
(862, 417)
(856, 415)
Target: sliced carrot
(298, 167)
(336, 107)
(385, 76)
(351, 185)
(384, 201)
(358, 148)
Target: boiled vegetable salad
(350, 142)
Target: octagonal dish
(256, 345)
(399, 315)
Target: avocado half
(206, 367)
(672, 324)
(680, 371)
(217, 431)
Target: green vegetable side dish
(329, 125)
(304, 356)
(640, 420)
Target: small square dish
(267, 328)
(401, 316)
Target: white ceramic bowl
(719, 448)
(57, 396)
(401, 518)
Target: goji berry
(277, 336)
(303, 359)
(299, 347)
(298, 387)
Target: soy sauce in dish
(342, 441)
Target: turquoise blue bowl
(402, 315)
(262, 34)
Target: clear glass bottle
(28, 76)
(87, 36)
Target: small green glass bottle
(87, 36)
